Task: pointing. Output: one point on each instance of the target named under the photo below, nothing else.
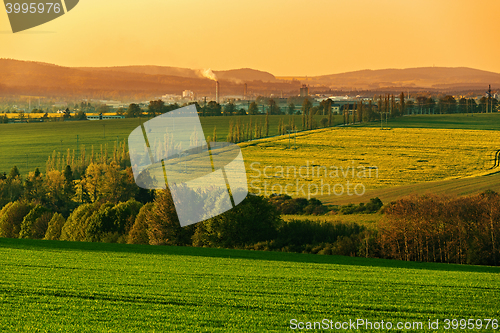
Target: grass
(478, 121)
(367, 220)
(452, 187)
(28, 145)
(49, 286)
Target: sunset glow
(284, 37)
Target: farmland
(385, 158)
(409, 156)
(50, 286)
(28, 145)
(479, 121)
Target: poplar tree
(329, 109)
(402, 106)
(267, 123)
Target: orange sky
(284, 37)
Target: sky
(283, 37)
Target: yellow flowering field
(369, 158)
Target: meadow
(48, 286)
(376, 159)
(28, 145)
(366, 220)
(478, 121)
(413, 153)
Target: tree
(103, 109)
(11, 218)
(214, 137)
(133, 111)
(360, 111)
(75, 228)
(67, 114)
(431, 104)
(68, 186)
(213, 108)
(273, 107)
(163, 224)
(306, 107)
(34, 189)
(81, 115)
(139, 232)
(324, 122)
(291, 109)
(329, 112)
(14, 184)
(402, 105)
(462, 105)
(100, 223)
(253, 108)
(14, 173)
(253, 220)
(92, 181)
(448, 104)
(54, 227)
(156, 107)
(35, 223)
(267, 124)
(114, 185)
(229, 109)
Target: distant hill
(243, 75)
(150, 70)
(139, 83)
(439, 78)
(130, 83)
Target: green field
(367, 220)
(478, 121)
(28, 145)
(50, 286)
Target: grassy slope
(463, 186)
(87, 287)
(367, 220)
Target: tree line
(94, 198)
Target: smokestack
(245, 89)
(217, 87)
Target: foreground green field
(50, 286)
(28, 145)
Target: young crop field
(478, 121)
(28, 145)
(366, 220)
(48, 286)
